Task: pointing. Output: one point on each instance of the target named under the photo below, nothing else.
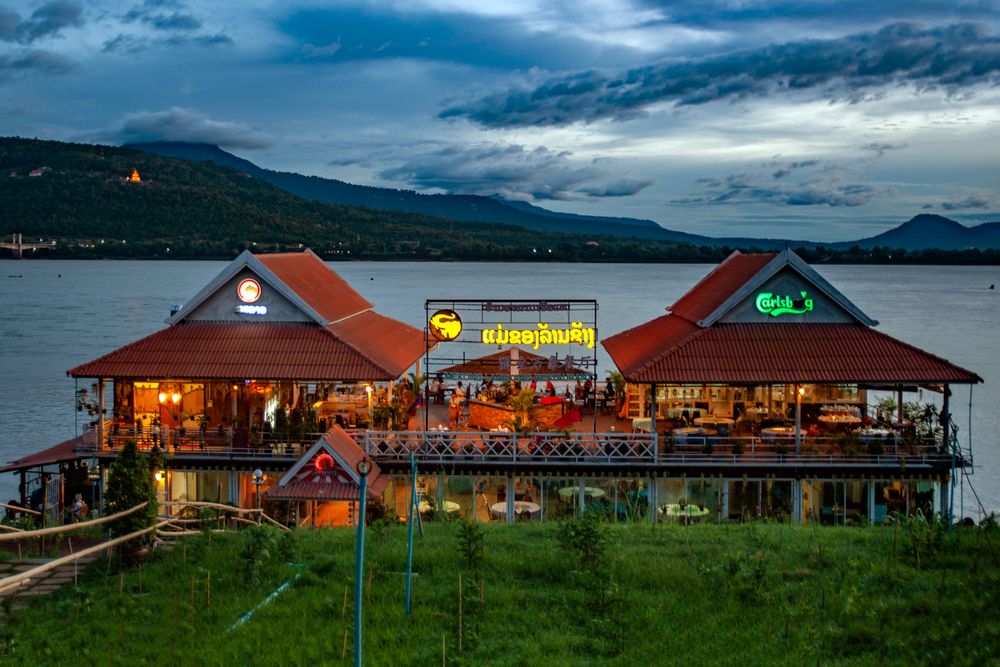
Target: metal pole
(411, 510)
(359, 560)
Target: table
(839, 418)
(520, 507)
(712, 420)
(644, 424)
(690, 511)
(681, 435)
(450, 507)
(777, 432)
(570, 492)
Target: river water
(58, 314)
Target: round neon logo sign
(248, 290)
(445, 325)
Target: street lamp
(258, 479)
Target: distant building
(134, 178)
(36, 172)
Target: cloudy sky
(826, 120)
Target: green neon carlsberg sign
(776, 306)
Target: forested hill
(82, 198)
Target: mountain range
(922, 232)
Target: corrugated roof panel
(713, 290)
(316, 284)
(790, 353)
(226, 350)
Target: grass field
(732, 594)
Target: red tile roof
(316, 284)
(63, 452)
(490, 365)
(388, 343)
(713, 290)
(270, 351)
(668, 351)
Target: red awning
(61, 453)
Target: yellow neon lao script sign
(577, 334)
(445, 325)
(776, 306)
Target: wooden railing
(443, 447)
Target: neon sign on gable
(776, 305)
(578, 335)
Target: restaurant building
(272, 353)
(763, 392)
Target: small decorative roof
(328, 471)
(499, 365)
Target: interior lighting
(176, 398)
(162, 397)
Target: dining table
(773, 433)
(520, 507)
(449, 506)
(571, 492)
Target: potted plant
(130, 482)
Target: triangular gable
(344, 451)
(220, 298)
(783, 273)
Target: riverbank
(724, 594)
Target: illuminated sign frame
(248, 290)
(774, 305)
(445, 325)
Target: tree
(130, 483)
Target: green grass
(715, 594)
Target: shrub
(471, 544)
(586, 537)
(130, 483)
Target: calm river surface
(58, 314)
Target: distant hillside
(925, 232)
(201, 209)
(468, 208)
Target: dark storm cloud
(179, 124)
(880, 149)
(787, 169)
(951, 58)
(968, 202)
(721, 14)
(509, 170)
(150, 13)
(35, 60)
(48, 20)
(744, 188)
(123, 43)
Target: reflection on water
(60, 314)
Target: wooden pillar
(652, 418)
(946, 418)
(100, 414)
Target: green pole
(410, 513)
(359, 560)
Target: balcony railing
(598, 449)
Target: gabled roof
(308, 481)
(693, 344)
(348, 341)
(740, 275)
(248, 260)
